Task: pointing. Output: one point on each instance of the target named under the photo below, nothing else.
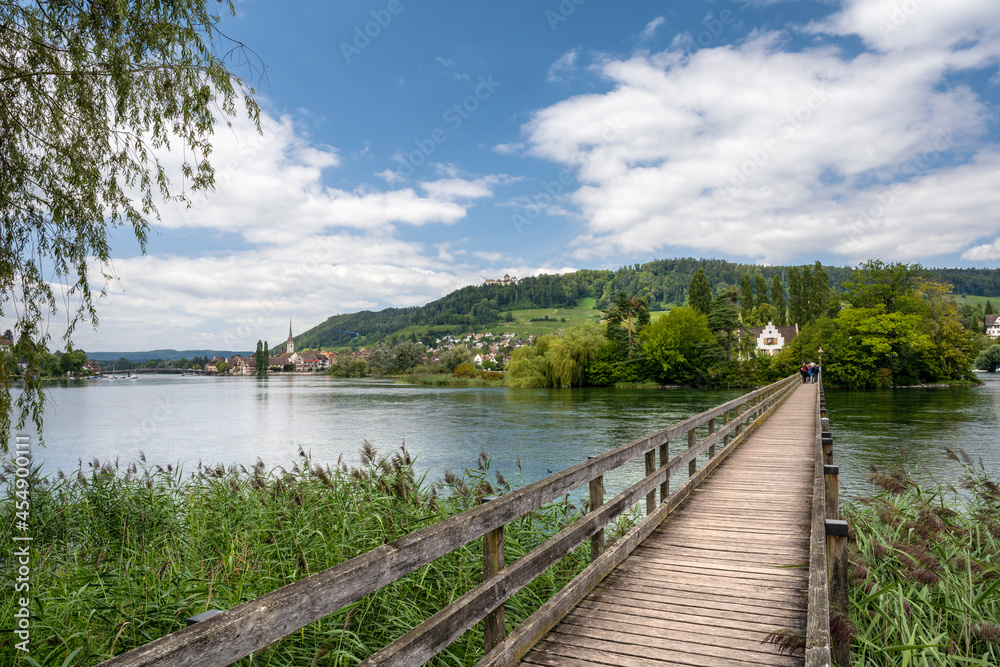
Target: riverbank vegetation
(924, 571)
(892, 325)
(123, 556)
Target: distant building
(506, 280)
(993, 326)
(242, 365)
(771, 339)
(290, 343)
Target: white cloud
(771, 154)
(650, 30)
(509, 148)
(491, 257)
(565, 65)
(989, 252)
(305, 249)
(450, 189)
(890, 25)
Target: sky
(411, 147)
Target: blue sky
(411, 147)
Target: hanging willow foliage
(91, 94)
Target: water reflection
(879, 427)
(236, 420)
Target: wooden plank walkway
(724, 570)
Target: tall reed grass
(124, 555)
(925, 571)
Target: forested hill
(663, 283)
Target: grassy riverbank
(123, 556)
(925, 572)
(481, 379)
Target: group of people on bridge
(810, 372)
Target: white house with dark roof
(993, 326)
(772, 339)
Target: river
(183, 420)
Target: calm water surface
(184, 420)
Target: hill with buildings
(663, 283)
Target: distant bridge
(747, 547)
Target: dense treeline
(892, 325)
(976, 282)
(662, 284)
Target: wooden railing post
(596, 500)
(836, 572)
(831, 476)
(827, 448)
(650, 469)
(493, 561)
(693, 465)
(725, 422)
(664, 460)
(711, 430)
(739, 413)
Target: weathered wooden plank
(431, 636)
(818, 617)
(558, 645)
(696, 644)
(249, 627)
(699, 572)
(542, 620)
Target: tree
(222, 367)
(778, 299)
(989, 359)
(260, 359)
(407, 355)
(682, 346)
(700, 293)
(455, 356)
(569, 354)
(796, 312)
(819, 293)
(761, 315)
(746, 296)
(71, 361)
(90, 92)
(630, 310)
(761, 285)
(724, 320)
(878, 283)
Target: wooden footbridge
(738, 564)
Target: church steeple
(290, 344)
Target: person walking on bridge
(805, 373)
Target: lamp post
(820, 353)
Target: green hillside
(573, 297)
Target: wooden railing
(233, 634)
(827, 550)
